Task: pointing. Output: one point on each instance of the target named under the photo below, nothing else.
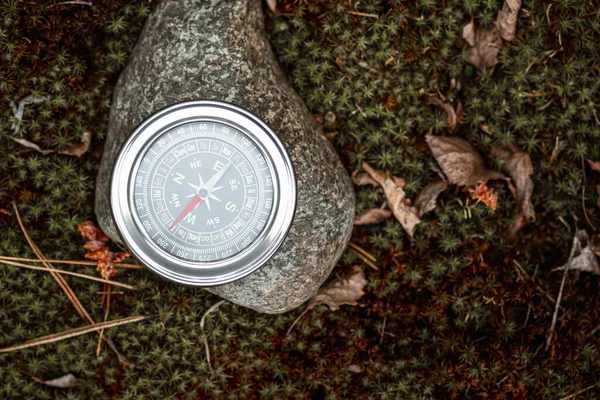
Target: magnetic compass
(203, 193)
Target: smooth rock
(201, 49)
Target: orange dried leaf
(484, 194)
(90, 232)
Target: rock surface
(217, 49)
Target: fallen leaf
(4, 211)
(331, 135)
(484, 194)
(459, 161)
(19, 110)
(392, 187)
(518, 165)
(95, 243)
(78, 149)
(584, 258)
(340, 291)
(272, 5)
(64, 382)
(372, 216)
(362, 178)
(507, 19)
(426, 200)
(354, 368)
(446, 107)
(31, 145)
(595, 244)
(484, 45)
(595, 165)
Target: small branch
(211, 309)
(70, 262)
(562, 286)
(73, 333)
(578, 393)
(60, 271)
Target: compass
(203, 193)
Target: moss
(446, 316)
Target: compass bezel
(197, 273)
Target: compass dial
(203, 191)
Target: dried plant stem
(83, 3)
(211, 309)
(60, 271)
(537, 286)
(362, 251)
(583, 194)
(363, 255)
(360, 14)
(107, 289)
(296, 321)
(71, 262)
(578, 392)
(562, 286)
(74, 332)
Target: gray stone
(217, 49)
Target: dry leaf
(31, 145)
(598, 190)
(354, 368)
(64, 382)
(372, 216)
(446, 107)
(459, 161)
(78, 149)
(507, 19)
(272, 5)
(484, 194)
(331, 135)
(19, 110)
(425, 202)
(595, 165)
(95, 242)
(518, 165)
(340, 291)
(392, 187)
(584, 258)
(484, 45)
(362, 178)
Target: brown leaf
(95, 242)
(459, 161)
(518, 165)
(78, 149)
(362, 178)
(446, 107)
(372, 216)
(392, 187)
(354, 368)
(484, 45)
(484, 194)
(331, 135)
(425, 202)
(595, 165)
(507, 19)
(340, 291)
(31, 145)
(584, 258)
(89, 232)
(64, 382)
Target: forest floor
(465, 302)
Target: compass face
(203, 191)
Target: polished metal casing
(217, 272)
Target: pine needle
(73, 333)
(70, 262)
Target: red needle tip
(190, 206)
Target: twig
(211, 309)
(73, 333)
(60, 271)
(537, 286)
(296, 321)
(562, 286)
(579, 392)
(71, 262)
(83, 3)
(360, 14)
(105, 318)
(583, 194)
